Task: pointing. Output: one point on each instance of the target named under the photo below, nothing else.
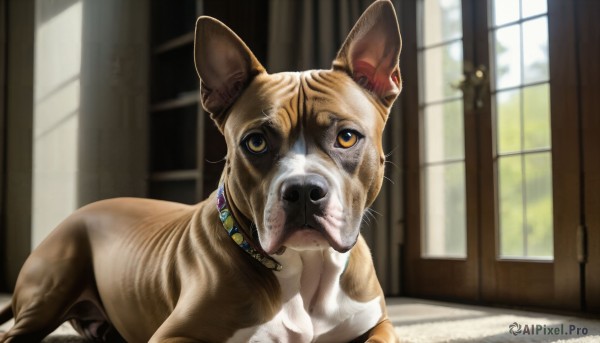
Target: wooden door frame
(566, 161)
(588, 32)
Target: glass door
(521, 152)
(529, 195)
(488, 209)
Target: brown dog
(275, 254)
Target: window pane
(536, 108)
(535, 50)
(538, 187)
(443, 21)
(505, 11)
(523, 131)
(508, 56)
(530, 8)
(444, 132)
(443, 66)
(445, 211)
(525, 205)
(508, 116)
(510, 186)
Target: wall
(56, 113)
(90, 106)
(76, 128)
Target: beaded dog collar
(232, 229)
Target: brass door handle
(474, 85)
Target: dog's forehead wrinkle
(315, 98)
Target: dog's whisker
(369, 216)
(365, 225)
(391, 152)
(392, 163)
(366, 219)
(372, 211)
(366, 222)
(218, 161)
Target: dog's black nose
(310, 188)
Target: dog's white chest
(315, 308)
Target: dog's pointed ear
(371, 52)
(224, 64)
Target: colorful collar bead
(232, 229)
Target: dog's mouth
(303, 238)
(307, 237)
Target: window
(441, 108)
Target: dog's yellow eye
(256, 143)
(347, 138)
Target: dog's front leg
(383, 332)
(164, 336)
(174, 340)
(173, 330)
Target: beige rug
(431, 321)
(434, 322)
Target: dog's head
(305, 157)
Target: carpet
(424, 321)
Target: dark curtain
(3, 285)
(306, 34)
